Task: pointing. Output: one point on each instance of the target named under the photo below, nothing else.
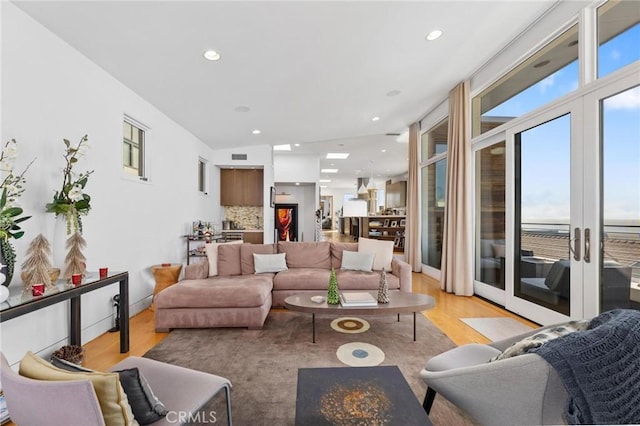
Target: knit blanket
(600, 368)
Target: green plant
(70, 200)
(332, 295)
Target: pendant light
(362, 189)
(370, 184)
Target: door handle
(587, 245)
(576, 252)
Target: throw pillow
(357, 261)
(269, 262)
(212, 255)
(146, 407)
(498, 250)
(111, 397)
(525, 345)
(383, 251)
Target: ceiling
(310, 73)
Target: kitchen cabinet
(253, 237)
(241, 187)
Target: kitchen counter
(223, 231)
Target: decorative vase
(7, 262)
(332, 295)
(383, 288)
(59, 241)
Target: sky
(546, 148)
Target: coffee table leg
(398, 317)
(313, 326)
(414, 326)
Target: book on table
(352, 300)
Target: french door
(564, 239)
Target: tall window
(133, 149)
(202, 175)
(490, 215)
(434, 159)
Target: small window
(434, 141)
(547, 75)
(202, 176)
(133, 149)
(618, 35)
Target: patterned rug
(360, 354)
(263, 364)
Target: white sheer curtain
(412, 235)
(457, 266)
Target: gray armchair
(521, 390)
(40, 402)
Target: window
(133, 148)
(618, 35)
(544, 77)
(434, 170)
(203, 172)
(490, 214)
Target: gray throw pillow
(357, 261)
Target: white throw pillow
(269, 262)
(383, 251)
(355, 261)
(212, 255)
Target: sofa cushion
(336, 253)
(360, 280)
(306, 255)
(246, 255)
(111, 397)
(212, 255)
(229, 260)
(383, 251)
(240, 291)
(302, 279)
(269, 262)
(355, 261)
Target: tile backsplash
(247, 217)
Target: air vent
(392, 134)
(238, 156)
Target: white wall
(296, 168)
(51, 92)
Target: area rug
(496, 329)
(263, 364)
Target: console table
(19, 304)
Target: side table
(164, 276)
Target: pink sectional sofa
(238, 297)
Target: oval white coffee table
(399, 303)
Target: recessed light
(297, 183)
(285, 147)
(242, 109)
(541, 64)
(256, 132)
(296, 144)
(383, 150)
(375, 119)
(329, 171)
(337, 155)
(323, 186)
(433, 35)
(393, 93)
(211, 55)
(332, 164)
(325, 180)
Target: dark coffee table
(356, 395)
(399, 303)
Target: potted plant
(11, 215)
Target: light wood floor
(103, 352)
